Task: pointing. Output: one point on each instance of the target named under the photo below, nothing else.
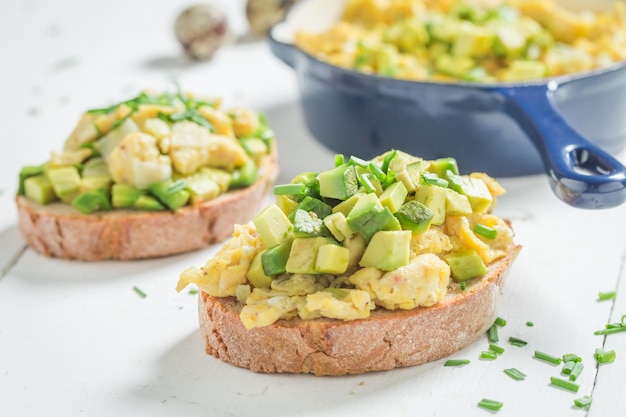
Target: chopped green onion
(571, 357)
(563, 383)
(367, 183)
(433, 179)
(568, 367)
(610, 330)
(358, 162)
(576, 370)
(490, 404)
(463, 285)
(289, 189)
(500, 321)
(530, 324)
(517, 342)
(485, 231)
(493, 334)
(583, 402)
(604, 356)
(378, 173)
(496, 348)
(387, 161)
(193, 290)
(391, 177)
(547, 357)
(177, 186)
(456, 362)
(339, 160)
(488, 354)
(141, 293)
(515, 374)
(609, 295)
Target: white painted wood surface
(76, 340)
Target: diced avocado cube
(320, 208)
(363, 216)
(433, 197)
(148, 203)
(27, 172)
(454, 66)
(392, 221)
(356, 244)
(39, 189)
(245, 175)
(408, 35)
(338, 226)
(414, 171)
(346, 206)
(474, 189)
(414, 216)
(256, 274)
(388, 250)
(96, 167)
(306, 224)
(255, 148)
(509, 42)
(381, 220)
(91, 201)
(393, 197)
(202, 188)
(520, 70)
(275, 259)
(457, 204)
(332, 259)
(171, 193)
(273, 225)
(221, 177)
(399, 165)
(472, 41)
(441, 166)
(286, 204)
(124, 195)
(339, 183)
(465, 265)
(303, 255)
(65, 182)
(94, 183)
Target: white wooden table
(76, 340)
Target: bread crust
(385, 340)
(59, 230)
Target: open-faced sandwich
(370, 265)
(155, 175)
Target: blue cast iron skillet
(565, 126)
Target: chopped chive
(530, 324)
(193, 290)
(571, 357)
(583, 402)
(378, 173)
(456, 362)
(500, 321)
(141, 293)
(610, 330)
(604, 356)
(547, 357)
(490, 404)
(576, 370)
(387, 161)
(517, 342)
(488, 354)
(358, 162)
(433, 179)
(463, 285)
(515, 374)
(496, 348)
(339, 160)
(568, 367)
(609, 295)
(493, 334)
(289, 189)
(563, 383)
(367, 183)
(485, 231)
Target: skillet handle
(581, 174)
(285, 51)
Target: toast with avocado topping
(154, 175)
(369, 265)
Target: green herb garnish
(609, 295)
(490, 404)
(139, 292)
(456, 362)
(485, 231)
(517, 342)
(546, 357)
(515, 374)
(604, 356)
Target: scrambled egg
(470, 40)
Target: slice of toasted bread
(59, 230)
(385, 340)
